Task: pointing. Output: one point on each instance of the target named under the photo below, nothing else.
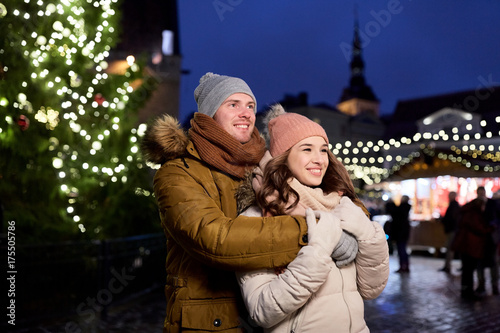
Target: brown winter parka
(206, 240)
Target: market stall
(427, 180)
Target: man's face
(236, 116)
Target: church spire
(357, 64)
(358, 97)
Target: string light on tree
(63, 114)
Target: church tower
(358, 97)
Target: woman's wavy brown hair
(275, 185)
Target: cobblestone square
(424, 300)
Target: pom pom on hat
(214, 89)
(287, 129)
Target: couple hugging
(260, 236)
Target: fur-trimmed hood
(164, 140)
(245, 194)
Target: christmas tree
(69, 160)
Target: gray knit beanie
(214, 89)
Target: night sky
(411, 48)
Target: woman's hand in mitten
(346, 250)
(353, 219)
(324, 234)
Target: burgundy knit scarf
(219, 149)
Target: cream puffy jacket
(313, 294)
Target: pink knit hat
(287, 129)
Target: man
(490, 260)
(472, 233)
(194, 189)
(493, 218)
(450, 221)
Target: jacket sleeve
(372, 263)
(270, 298)
(189, 203)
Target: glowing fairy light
(57, 163)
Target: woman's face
(308, 160)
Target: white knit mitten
(353, 219)
(324, 234)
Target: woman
(312, 294)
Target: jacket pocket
(210, 315)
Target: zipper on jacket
(297, 318)
(346, 304)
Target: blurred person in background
(470, 240)
(450, 221)
(400, 232)
(390, 207)
(490, 260)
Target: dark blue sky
(411, 48)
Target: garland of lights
(361, 164)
